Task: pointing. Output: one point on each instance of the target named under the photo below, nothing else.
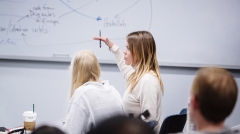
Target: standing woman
(140, 68)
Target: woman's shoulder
(83, 89)
(151, 75)
(90, 88)
(79, 92)
(148, 81)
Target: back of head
(143, 48)
(47, 130)
(122, 125)
(216, 92)
(84, 67)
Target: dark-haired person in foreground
(47, 130)
(121, 124)
(213, 97)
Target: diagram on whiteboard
(40, 23)
(186, 32)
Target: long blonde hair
(84, 67)
(143, 48)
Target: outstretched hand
(105, 40)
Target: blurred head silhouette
(47, 130)
(213, 97)
(122, 125)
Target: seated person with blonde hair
(213, 97)
(91, 101)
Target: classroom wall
(46, 84)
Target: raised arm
(126, 70)
(105, 40)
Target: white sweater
(147, 94)
(90, 104)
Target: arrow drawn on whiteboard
(79, 12)
(117, 15)
(76, 9)
(23, 17)
(24, 35)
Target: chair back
(236, 129)
(183, 111)
(173, 124)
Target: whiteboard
(199, 32)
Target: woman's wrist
(110, 47)
(111, 44)
(114, 48)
